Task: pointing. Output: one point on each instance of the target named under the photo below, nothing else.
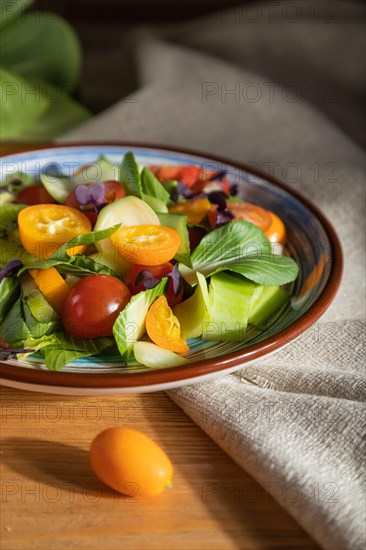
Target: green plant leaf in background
(40, 65)
(11, 9)
(62, 114)
(41, 46)
(21, 104)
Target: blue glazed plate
(312, 242)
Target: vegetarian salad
(136, 261)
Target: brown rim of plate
(206, 366)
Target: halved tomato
(251, 213)
(34, 194)
(158, 272)
(271, 225)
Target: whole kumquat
(130, 462)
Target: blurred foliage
(39, 70)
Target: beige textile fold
(296, 419)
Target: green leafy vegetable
(41, 46)
(13, 327)
(87, 238)
(129, 326)
(75, 265)
(151, 186)
(243, 248)
(193, 312)
(68, 349)
(36, 328)
(129, 175)
(156, 204)
(228, 244)
(178, 222)
(25, 180)
(100, 170)
(151, 355)
(229, 303)
(268, 269)
(59, 187)
(63, 113)
(9, 292)
(11, 9)
(266, 302)
(40, 65)
(21, 104)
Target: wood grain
(50, 498)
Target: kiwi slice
(39, 307)
(10, 244)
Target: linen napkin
(295, 420)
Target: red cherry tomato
(158, 272)
(34, 194)
(92, 306)
(113, 191)
(188, 175)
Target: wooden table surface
(50, 498)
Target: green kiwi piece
(39, 307)
(10, 244)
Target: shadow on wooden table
(54, 462)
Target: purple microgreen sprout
(11, 268)
(146, 277)
(176, 277)
(11, 353)
(184, 191)
(149, 281)
(224, 217)
(92, 194)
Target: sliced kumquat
(146, 244)
(195, 209)
(52, 286)
(43, 228)
(276, 232)
(162, 326)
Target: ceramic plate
(312, 242)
